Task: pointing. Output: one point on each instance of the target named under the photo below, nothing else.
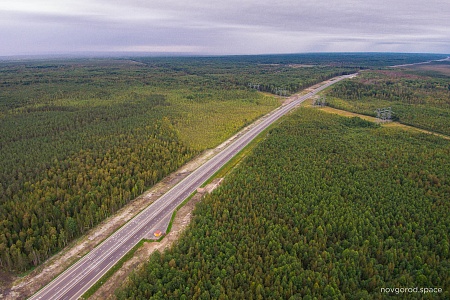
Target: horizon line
(125, 54)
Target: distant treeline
(349, 59)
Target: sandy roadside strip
(26, 286)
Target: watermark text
(402, 290)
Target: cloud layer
(223, 27)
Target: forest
(326, 207)
(417, 98)
(81, 138)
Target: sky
(212, 27)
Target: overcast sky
(223, 27)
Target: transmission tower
(320, 102)
(384, 114)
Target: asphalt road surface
(76, 280)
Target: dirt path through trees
(373, 119)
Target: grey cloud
(231, 27)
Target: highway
(421, 63)
(76, 280)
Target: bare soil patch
(346, 113)
(304, 92)
(180, 222)
(295, 66)
(24, 287)
(439, 68)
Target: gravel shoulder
(24, 287)
(180, 222)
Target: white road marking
(61, 288)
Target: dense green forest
(79, 139)
(417, 98)
(326, 207)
